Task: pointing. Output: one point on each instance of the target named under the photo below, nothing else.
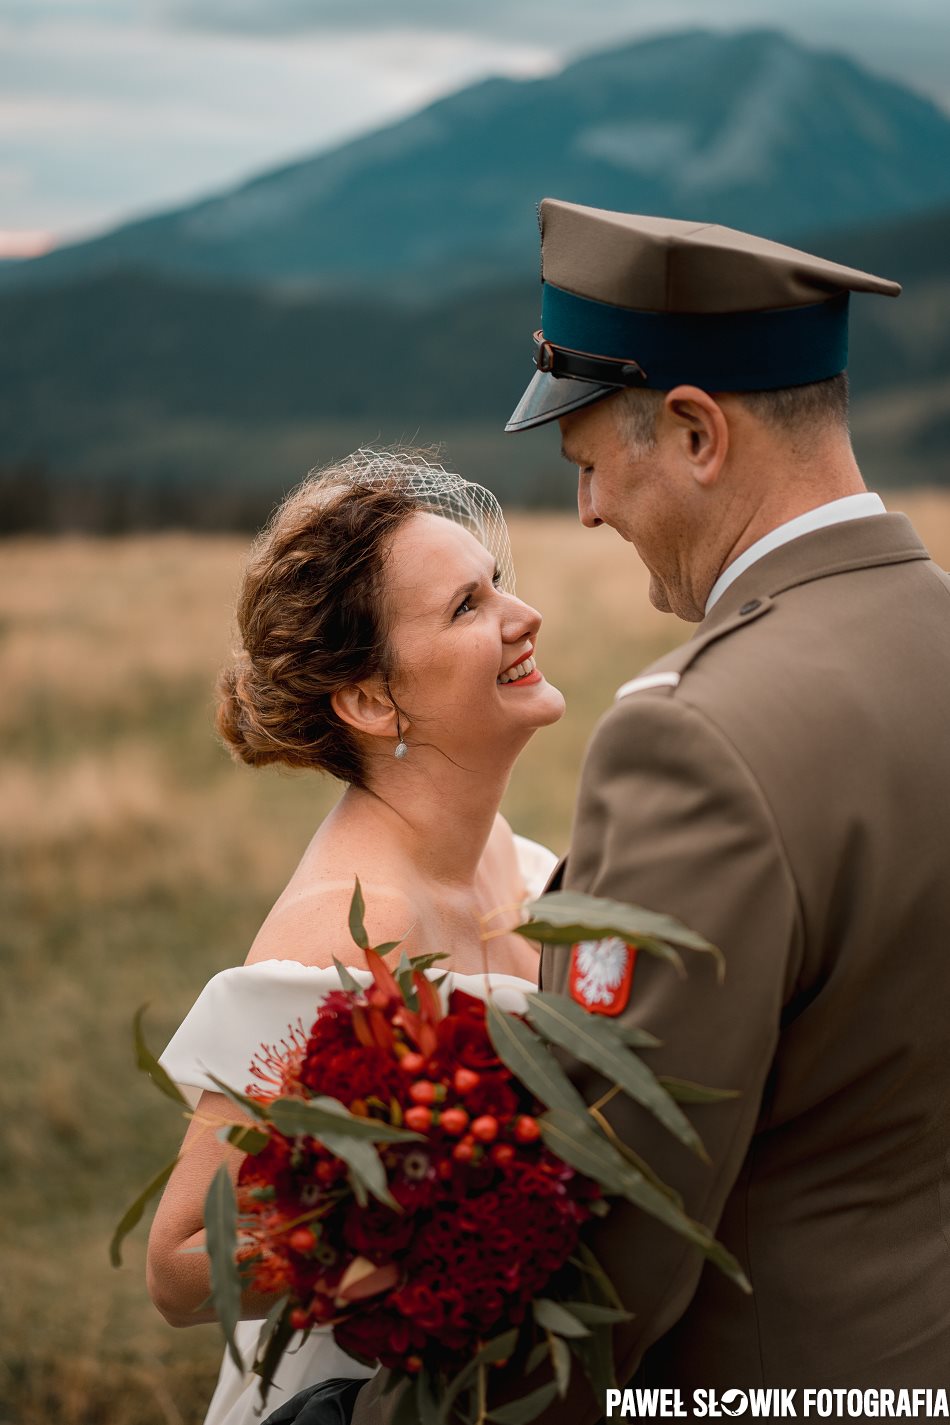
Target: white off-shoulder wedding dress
(237, 1011)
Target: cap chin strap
(583, 366)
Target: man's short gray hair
(797, 411)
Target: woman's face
(460, 643)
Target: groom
(780, 783)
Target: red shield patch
(601, 974)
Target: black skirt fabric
(329, 1403)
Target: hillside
(751, 129)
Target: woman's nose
(520, 621)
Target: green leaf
(406, 1411)
(277, 1343)
(386, 946)
(593, 1314)
(594, 1275)
(539, 1353)
(426, 1400)
(595, 1353)
(367, 1174)
(552, 1316)
(425, 962)
(346, 979)
(561, 1363)
(566, 917)
(133, 1214)
(497, 1349)
(635, 1037)
(532, 1062)
(590, 1153)
(357, 911)
(589, 1039)
(687, 1092)
(248, 1140)
(148, 1063)
(319, 1116)
(221, 1237)
(250, 1105)
(269, 1326)
(529, 1407)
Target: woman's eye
(496, 578)
(463, 608)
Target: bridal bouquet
(419, 1173)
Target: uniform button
(750, 607)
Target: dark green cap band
(719, 351)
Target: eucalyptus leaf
(367, 1173)
(635, 1037)
(552, 1316)
(346, 979)
(561, 1363)
(277, 1343)
(594, 1274)
(220, 1217)
(532, 1062)
(148, 1063)
(425, 962)
(248, 1140)
(529, 1407)
(590, 1153)
(426, 1400)
(593, 1314)
(538, 1354)
(566, 1024)
(357, 912)
(684, 1091)
(250, 1105)
(269, 1326)
(499, 1348)
(595, 1353)
(319, 1116)
(386, 946)
(567, 917)
(133, 1214)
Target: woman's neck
(439, 814)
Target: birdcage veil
(437, 491)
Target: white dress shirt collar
(851, 507)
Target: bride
(382, 643)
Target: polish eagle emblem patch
(601, 974)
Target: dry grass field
(136, 860)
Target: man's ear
(365, 707)
(699, 424)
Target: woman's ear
(365, 707)
(700, 422)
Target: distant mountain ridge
(751, 129)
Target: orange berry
(299, 1318)
(419, 1118)
(454, 1121)
(423, 1092)
(412, 1063)
(485, 1129)
(502, 1153)
(465, 1080)
(465, 1151)
(302, 1239)
(526, 1129)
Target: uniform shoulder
(663, 678)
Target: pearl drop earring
(402, 749)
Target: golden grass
(136, 860)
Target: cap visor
(548, 397)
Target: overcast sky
(111, 109)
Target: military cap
(630, 301)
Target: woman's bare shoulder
(310, 924)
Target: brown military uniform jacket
(789, 798)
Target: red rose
(463, 1039)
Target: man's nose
(585, 506)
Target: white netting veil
(437, 491)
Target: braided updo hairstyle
(312, 618)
